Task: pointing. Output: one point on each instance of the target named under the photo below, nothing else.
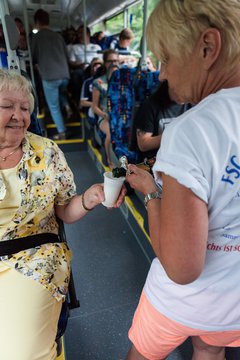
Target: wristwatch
(152, 195)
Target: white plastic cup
(112, 188)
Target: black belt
(13, 246)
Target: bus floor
(109, 270)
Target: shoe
(60, 136)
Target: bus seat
(120, 105)
(145, 83)
(127, 88)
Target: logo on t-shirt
(232, 171)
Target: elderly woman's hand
(140, 180)
(93, 196)
(80, 205)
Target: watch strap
(152, 195)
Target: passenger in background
(192, 288)
(50, 54)
(22, 44)
(36, 186)
(87, 89)
(99, 106)
(78, 62)
(70, 36)
(22, 48)
(123, 43)
(151, 118)
(104, 41)
(19, 25)
(150, 64)
(77, 56)
(97, 38)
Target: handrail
(10, 32)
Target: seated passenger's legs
(105, 128)
(25, 334)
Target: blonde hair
(11, 80)
(175, 25)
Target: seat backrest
(145, 83)
(120, 105)
(127, 88)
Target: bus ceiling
(64, 13)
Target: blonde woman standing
(193, 287)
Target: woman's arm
(146, 141)
(179, 231)
(85, 103)
(78, 205)
(178, 225)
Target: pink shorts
(155, 336)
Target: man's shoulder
(48, 35)
(45, 31)
(94, 47)
(78, 47)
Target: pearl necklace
(4, 158)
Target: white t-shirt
(201, 150)
(76, 52)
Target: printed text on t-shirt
(232, 171)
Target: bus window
(115, 24)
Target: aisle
(109, 270)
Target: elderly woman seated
(36, 185)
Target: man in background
(50, 54)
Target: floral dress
(44, 180)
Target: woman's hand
(80, 205)
(121, 197)
(140, 180)
(93, 196)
